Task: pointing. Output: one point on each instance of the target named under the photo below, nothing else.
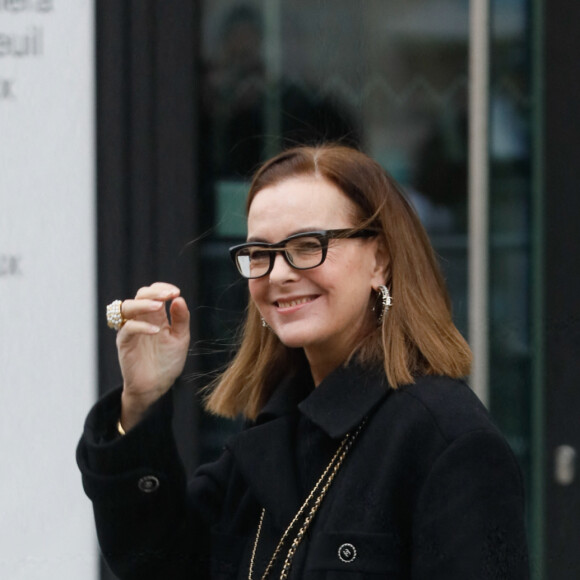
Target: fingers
(158, 291)
(133, 308)
(179, 316)
(149, 303)
(133, 327)
(146, 314)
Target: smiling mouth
(291, 303)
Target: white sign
(47, 285)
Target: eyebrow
(299, 231)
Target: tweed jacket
(430, 489)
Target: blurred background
(165, 109)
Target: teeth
(293, 302)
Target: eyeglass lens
(304, 252)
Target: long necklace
(313, 502)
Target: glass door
(391, 77)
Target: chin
(293, 339)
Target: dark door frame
(147, 128)
(561, 281)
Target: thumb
(179, 316)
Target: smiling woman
(323, 310)
(307, 189)
(364, 454)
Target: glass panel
(390, 76)
(511, 194)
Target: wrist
(133, 409)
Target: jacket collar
(337, 405)
(287, 395)
(264, 452)
(345, 398)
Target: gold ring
(115, 317)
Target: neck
(323, 362)
(324, 358)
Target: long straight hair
(417, 336)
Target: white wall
(47, 285)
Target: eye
(304, 246)
(258, 254)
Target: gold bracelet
(120, 428)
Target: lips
(289, 303)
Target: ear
(381, 265)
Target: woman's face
(326, 309)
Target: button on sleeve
(148, 484)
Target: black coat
(430, 489)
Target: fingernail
(154, 329)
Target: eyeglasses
(301, 251)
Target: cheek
(334, 257)
(257, 290)
(253, 288)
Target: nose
(282, 271)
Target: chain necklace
(311, 503)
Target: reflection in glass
(511, 191)
(391, 77)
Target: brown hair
(416, 337)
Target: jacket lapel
(265, 453)
(265, 457)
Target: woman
(365, 455)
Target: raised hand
(152, 347)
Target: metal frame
(478, 195)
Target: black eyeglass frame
(324, 236)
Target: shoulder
(442, 404)
(439, 426)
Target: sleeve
(150, 523)
(469, 521)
